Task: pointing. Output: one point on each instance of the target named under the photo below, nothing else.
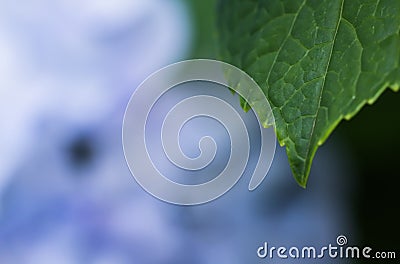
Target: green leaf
(317, 62)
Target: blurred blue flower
(66, 194)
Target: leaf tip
(395, 87)
(302, 182)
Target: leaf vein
(285, 40)
(324, 78)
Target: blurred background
(67, 71)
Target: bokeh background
(67, 70)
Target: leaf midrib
(323, 83)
